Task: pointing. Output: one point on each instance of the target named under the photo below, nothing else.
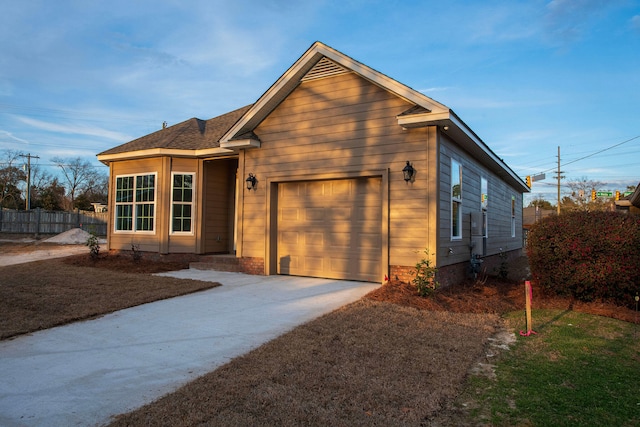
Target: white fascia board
(241, 143)
(449, 118)
(291, 78)
(159, 152)
(382, 80)
(455, 120)
(285, 83)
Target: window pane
(456, 179)
(124, 189)
(187, 195)
(455, 219)
(144, 217)
(182, 197)
(124, 219)
(484, 189)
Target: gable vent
(324, 68)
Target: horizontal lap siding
(498, 209)
(218, 192)
(340, 125)
(179, 243)
(152, 242)
(148, 242)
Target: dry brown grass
(43, 294)
(369, 363)
(392, 358)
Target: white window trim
(133, 203)
(192, 203)
(457, 200)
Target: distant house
(630, 203)
(336, 171)
(531, 215)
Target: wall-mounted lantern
(251, 182)
(408, 172)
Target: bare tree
(580, 198)
(77, 174)
(10, 176)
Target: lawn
(44, 294)
(579, 369)
(391, 358)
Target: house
(336, 171)
(630, 203)
(531, 215)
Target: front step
(217, 263)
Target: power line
(597, 152)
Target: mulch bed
(495, 296)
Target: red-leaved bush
(588, 255)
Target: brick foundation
(402, 272)
(252, 265)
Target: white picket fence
(38, 221)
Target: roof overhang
(294, 75)
(240, 143)
(164, 152)
(452, 126)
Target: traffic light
(617, 195)
(529, 181)
(593, 195)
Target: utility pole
(29, 157)
(559, 178)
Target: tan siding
(218, 197)
(182, 243)
(149, 242)
(340, 125)
(161, 240)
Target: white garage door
(330, 229)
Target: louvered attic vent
(324, 68)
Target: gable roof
(232, 131)
(193, 137)
(322, 59)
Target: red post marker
(528, 292)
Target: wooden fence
(38, 221)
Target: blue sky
(79, 77)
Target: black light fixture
(251, 182)
(408, 172)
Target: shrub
(94, 246)
(587, 255)
(425, 279)
(136, 253)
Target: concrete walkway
(84, 373)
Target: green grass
(580, 370)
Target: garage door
(330, 229)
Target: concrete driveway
(84, 373)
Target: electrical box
(476, 224)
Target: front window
(181, 203)
(456, 200)
(135, 203)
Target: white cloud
(75, 129)
(9, 138)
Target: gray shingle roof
(192, 134)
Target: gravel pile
(75, 236)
